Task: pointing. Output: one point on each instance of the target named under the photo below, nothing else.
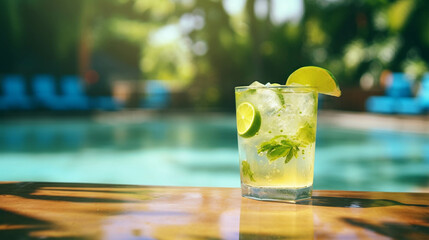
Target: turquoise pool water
(198, 151)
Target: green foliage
(219, 50)
(39, 36)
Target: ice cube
(256, 84)
(272, 84)
(268, 101)
(301, 103)
(306, 103)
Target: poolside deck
(356, 120)
(100, 211)
(365, 121)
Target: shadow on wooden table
(353, 202)
(19, 226)
(21, 232)
(28, 190)
(391, 229)
(22, 226)
(246, 236)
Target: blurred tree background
(203, 48)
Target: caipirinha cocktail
(276, 128)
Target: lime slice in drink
(248, 120)
(317, 77)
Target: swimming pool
(198, 151)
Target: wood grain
(99, 211)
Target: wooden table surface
(99, 211)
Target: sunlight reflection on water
(198, 151)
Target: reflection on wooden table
(100, 211)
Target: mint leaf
(289, 157)
(307, 133)
(278, 151)
(280, 95)
(265, 146)
(292, 153)
(245, 169)
(251, 91)
(279, 147)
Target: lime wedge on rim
(317, 77)
(248, 120)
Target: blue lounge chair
(14, 96)
(423, 94)
(73, 94)
(399, 88)
(381, 104)
(409, 106)
(416, 105)
(45, 93)
(157, 96)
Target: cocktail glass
(276, 141)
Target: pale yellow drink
(277, 155)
